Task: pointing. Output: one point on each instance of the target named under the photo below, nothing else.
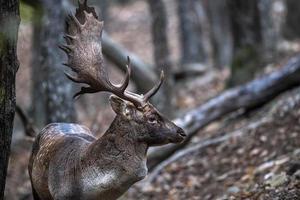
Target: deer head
(151, 126)
(84, 52)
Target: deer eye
(152, 119)
(127, 111)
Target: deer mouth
(180, 136)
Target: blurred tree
(246, 30)
(104, 6)
(37, 90)
(162, 54)
(122, 1)
(270, 35)
(32, 3)
(9, 22)
(221, 36)
(52, 91)
(291, 28)
(250, 41)
(191, 36)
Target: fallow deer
(67, 161)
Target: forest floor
(258, 157)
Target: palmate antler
(84, 50)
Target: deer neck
(123, 137)
(119, 149)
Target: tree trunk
(191, 35)
(52, 97)
(248, 96)
(9, 23)
(161, 54)
(220, 32)
(255, 38)
(291, 28)
(247, 36)
(37, 91)
(104, 8)
(270, 35)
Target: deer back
(57, 149)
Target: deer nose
(181, 132)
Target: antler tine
(84, 90)
(123, 93)
(76, 21)
(127, 76)
(73, 78)
(82, 2)
(141, 100)
(154, 90)
(67, 49)
(69, 38)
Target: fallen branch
(142, 74)
(196, 148)
(29, 128)
(250, 95)
(269, 164)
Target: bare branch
(30, 129)
(247, 96)
(196, 148)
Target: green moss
(2, 42)
(244, 55)
(2, 95)
(26, 12)
(246, 62)
(37, 15)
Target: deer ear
(117, 104)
